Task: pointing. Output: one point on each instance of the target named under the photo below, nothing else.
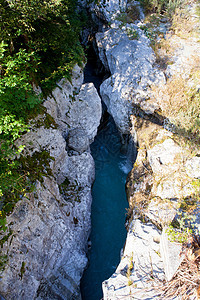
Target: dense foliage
(39, 45)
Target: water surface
(108, 210)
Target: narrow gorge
(137, 98)
(113, 161)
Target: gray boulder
(127, 54)
(84, 111)
(78, 140)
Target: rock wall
(49, 228)
(47, 234)
(163, 179)
(104, 9)
(127, 54)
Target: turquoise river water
(108, 210)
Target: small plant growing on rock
(3, 262)
(178, 236)
(70, 190)
(22, 270)
(182, 228)
(122, 17)
(130, 282)
(132, 34)
(129, 270)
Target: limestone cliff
(47, 234)
(164, 183)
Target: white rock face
(170, 253)
(139, 264)
(72, 100)
(58, 105)
(127, 54)
(108, 9)
(50, 227)
(86, 105)
(50, 140)
(164, 155)
(193, 167)
(105, 10)
(161, 212)
(78, 140)
(171, 172)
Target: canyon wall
(46, 239)
(165, 177)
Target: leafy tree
(39, 44)
(47, 30)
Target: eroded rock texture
(165, 176)
(49, 227)
(127, 54)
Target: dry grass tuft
(183, 25)
(180, 104)
(186, 281)
(179, 99)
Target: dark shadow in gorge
(94, 70)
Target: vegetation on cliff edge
(39, 45)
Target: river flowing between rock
(108, 210)
(112, 164)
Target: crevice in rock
(96, 72)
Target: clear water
(108, 211)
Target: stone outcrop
(127, 54)
(108, 9)
(139, 264)
(165, 177)
(48, 230)
(47, 233)
(104, 10)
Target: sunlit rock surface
(165, 175)
(108, 9)
(127, 54)
(139, 264)
(50, 226)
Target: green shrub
(181, 228)
(132, 34)
(39, 45)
